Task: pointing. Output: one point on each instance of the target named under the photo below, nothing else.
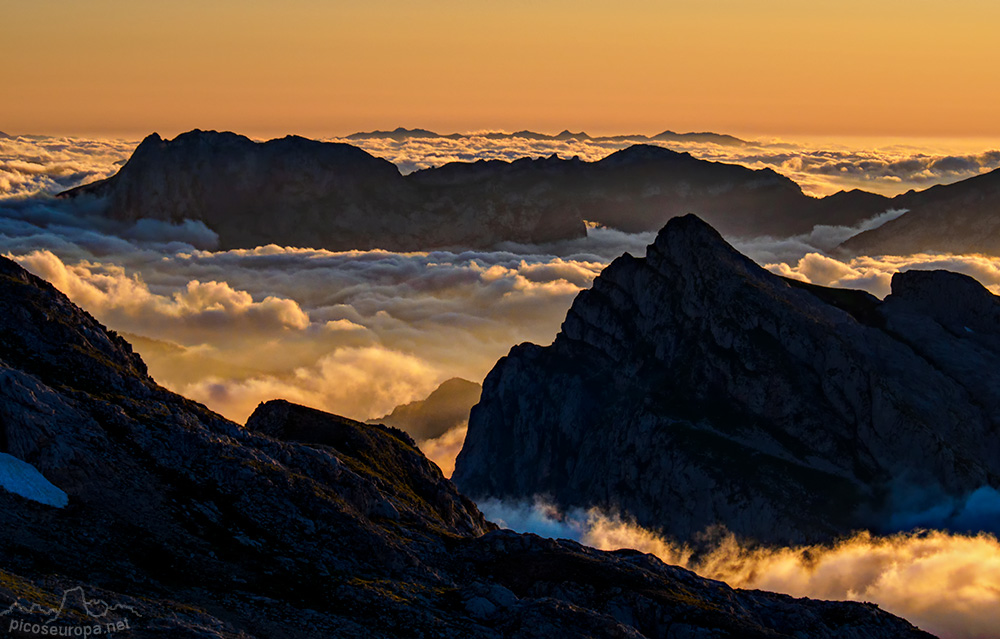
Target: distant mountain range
(692, 388)
(299, 523)
(401, 133)
(306, 193)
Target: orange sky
(321, 68)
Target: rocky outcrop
(693, 388)
(306, 193)
(444, 409)
(179, 523)
(953, 218)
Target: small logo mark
(98, 616)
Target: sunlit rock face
(305, 193)
(300, 523)
(693, 388)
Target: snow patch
(21, 478)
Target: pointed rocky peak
(150, 140)
(688, 237)
(456, 386)
(691, 247)
(566, 134)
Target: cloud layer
(946, 584)
(355, 333)
(38, 164)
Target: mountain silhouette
(692, 388)
(299, 192)
(401, 133)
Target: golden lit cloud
(444, 450)
(359, 383)
(947, 584)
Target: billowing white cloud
(36, 164)
(125, 300)
(234, 328)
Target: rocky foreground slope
(305, 193)
(171, 521)
(692, 388)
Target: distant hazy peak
(402, 133)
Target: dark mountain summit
(693, 388)
(301, 524)
(963, 217)
(306, 193)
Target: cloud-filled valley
(318, 327)
(232, 328)
(357, 333)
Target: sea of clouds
(359, 332)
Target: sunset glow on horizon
(326, 69)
